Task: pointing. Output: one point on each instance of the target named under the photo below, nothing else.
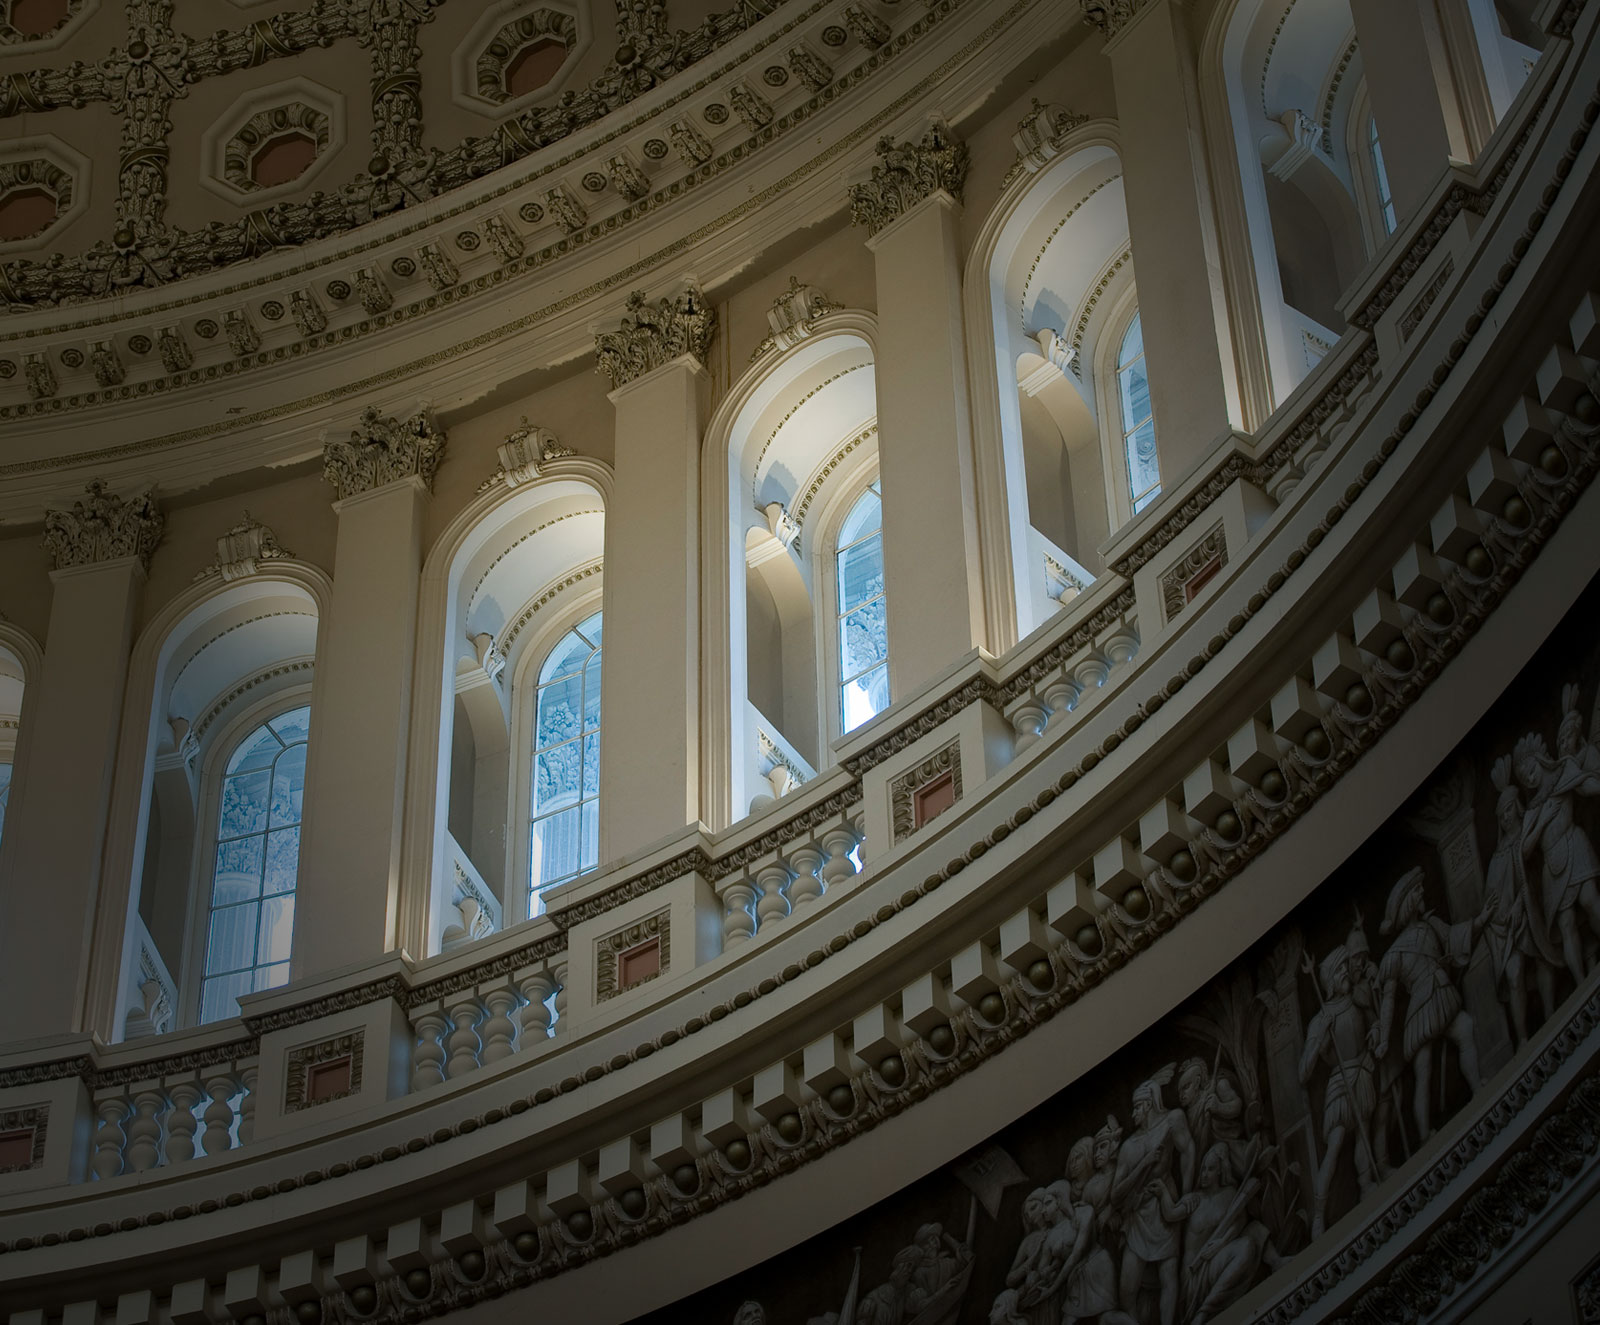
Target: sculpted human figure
(940, 1259)
(1095, 1190)
(1416, 962)
(1508, 930)
(887, 1303)
(1341, 1035)
(1047, 1245)
(1223, 1246)
(1213, 1106)
(750, 1313)
(1569, 863)
(1159, 1143)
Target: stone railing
(1366, 536)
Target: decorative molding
(907, 173)
(903, 789)
(250, 683)
(1040, 137)
(1305, 144)
(770, 758)
(655, 334)
(821, 476)
(1586, 1295)
(292, 117)
(476, 909)
(490, 658)
(382, 450)
(242, 549)
(794, 409)
(104, 528)
(781, 525)
(1111, 16)
(1424, 301)
(793, 317)
(510, 633)
(34, 1118)
(297, 1070)
(523, 455)
(495, 57)
(1081, 327)
(1211, 548)
(472, 598)
(608, 951)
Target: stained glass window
(1138, 425)
(566, 763)
(1381, 178)
(253, 880)
(863, 625)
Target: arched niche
(792, 430)
(514, 558)
(216, 656)
(21, 661)
(1051, 258)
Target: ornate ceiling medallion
(272, 141)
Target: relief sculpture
(1174, 1178)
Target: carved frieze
(907, 173)
(242, 549)
(381, 450)
(106, 527)
(903, 789)
(299, 1091)
(608, 978)
(655, 334)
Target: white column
(1420, 121)
(1177, 264)
(650, 728)
(46, 910)
(348, 895)
(930, 523)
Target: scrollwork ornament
(382, 450)
(655, 334)
(106, 527)
(907, 173)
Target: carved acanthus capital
(655, 334)
(242, 549)
(907, 173)
(792, 315)
(104, 528)
(1111, 16)
(382, 450)
(522, 454)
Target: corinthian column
(650, 735)
(100, 550)
(348, 897)
(910, 208)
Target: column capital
(381, 450)
(105, 528)
(1111, 16)
(906, 174)
(652, 335)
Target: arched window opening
(251, 929)
(1138, 423)
(1380, 177)
(863, 622)
(565, 841)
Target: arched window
(251, 929)
(1380, 177)
(863, 624)
(1138, 425)
(566, 763)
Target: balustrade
(160, 1123)
(1072, 686)
(768, 892)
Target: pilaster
(100, 549)
(347, 908)
(650, 731)
(911, 207)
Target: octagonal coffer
(272, 141)
(42, 186)
(520, 52)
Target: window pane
(1144, 468)
(283, 859)
(559, 705)
(865, 516)
(863, 638)
(272, 977)
(864, 698)
(233, 938)
(238, 874)
(277, 929)
(295, 725)
(257, 750)
(244, 804)
(565, 658)
(591, 764)
(288, 787)
(590, 629)
(590, 855)
(591, 694)
(1132, 342)
(556, 847)
(555, 775)
(219, 997)
(860, 573)
(1135, 388)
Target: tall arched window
(1380, 177)
(566, 763)
(1138, 424)
(863, 624)
(251, 926)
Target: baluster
(839, 842)
(773, 906)
(561, 998)
(1028, 720)
(536, 1015)
(499, 1031)
(182, 1124)
(738, 914)
(427, 1060)
(219, 1115)
(247, 1106)
(1122, 645)
(1061, 696)
(805, 860)
(109, 1138)
(1091, 671)
(463, 1043)
(144, 1132)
